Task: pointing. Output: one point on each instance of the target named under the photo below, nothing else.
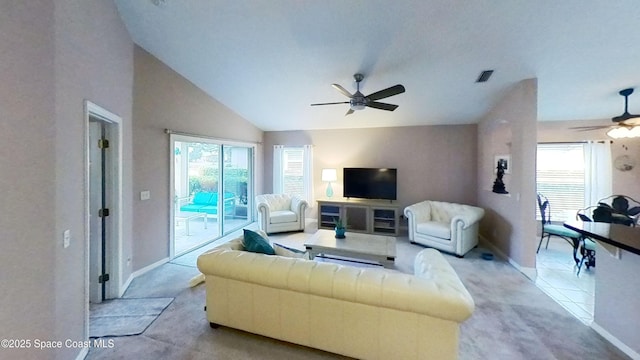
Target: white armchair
(280, 212)
(445, 226)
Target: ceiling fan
(626, 120)
(358, 101)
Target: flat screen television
(370, 183)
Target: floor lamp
(329, 175)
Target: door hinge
(103, 278)
(103, 212)
(103, 144)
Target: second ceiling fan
(358, 101)
(626, 120)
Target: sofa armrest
(429, 264)
(264, 212)
(419, 212)
(184, 200)
(298, 205)
(262, 205)
(469, 216)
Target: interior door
(96, 226)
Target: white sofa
(365, 313)
(280, 212)
(445, 226)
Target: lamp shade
(329, 175)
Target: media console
(366, 216)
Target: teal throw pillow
(254, 242)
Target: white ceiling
(269, 59)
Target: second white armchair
(449, 227)
(280, 212)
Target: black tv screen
(370, 183)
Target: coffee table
(370, 247)
(186, 216)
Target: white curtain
(278, 151)
(307, 171)
(597, 172)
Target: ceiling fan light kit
(628, 122)
(624, 132)
(358, 101)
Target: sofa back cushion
(203, 197)
(441, 212)
(278, 201)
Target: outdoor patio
(198, 235)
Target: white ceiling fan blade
(342, 90)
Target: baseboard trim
(530, 273)
(83, 353)
(615, 342)
(145, 269)
(125, 286)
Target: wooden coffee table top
(356, 243)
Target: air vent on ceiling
(484, 76)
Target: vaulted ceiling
(269, 60)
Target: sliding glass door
(236, 174)
(202, 170)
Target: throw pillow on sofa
(285, 251)
(255, 242)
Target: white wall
(163, 99)
(27, 174)
(433, 162)
(510, 128)
(93, 61)
(54, 56)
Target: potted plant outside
(340, 228)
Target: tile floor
(198, 235)
(557, 277)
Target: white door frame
(113, 186)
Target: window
(292, 170)
(573, 176)
(560, 175)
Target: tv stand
(365, 216)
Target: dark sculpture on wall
(498, 185)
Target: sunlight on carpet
(122, 317)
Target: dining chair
(548, 229)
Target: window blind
(560, 173)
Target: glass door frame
(251, 184)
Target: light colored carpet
(513, 318)
(123, 317)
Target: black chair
(588, 253)
(588, 246)
(548, 229)
(616, 209)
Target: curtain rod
(169, 132)
(575, 142)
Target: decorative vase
(340, 232)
